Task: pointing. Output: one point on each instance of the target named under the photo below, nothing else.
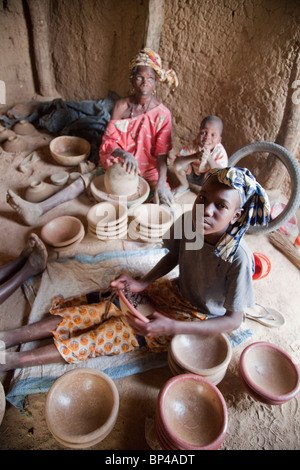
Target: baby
(198, 157)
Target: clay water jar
(69, 150)
(191, 414)
(269, 373)
(38, 191)
(23, 127)
(82, 407)
(119, 182)
(5, 134)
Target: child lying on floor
(214, 284)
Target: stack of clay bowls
(117, 185)
(150, 222)
(268, 373)
(190, 414)
(108, 220)
(206, 356)
(63, 233)
(82, 407)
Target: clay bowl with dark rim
(82, 407)
(69, 150)
(62, 231)
(203, 355)
(269, 372)
(141, 312)
(192, 413)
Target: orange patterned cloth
(98, 329)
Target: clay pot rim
(133, 201)
(213, 445)
(198, 370)
(256, 395)
(94, 436)
(256, 388)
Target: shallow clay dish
(192, 413)
(107, 215)
(60, 178)
(62, 231)
(23, 127)
(119, 182)
(270, 372)
(69, 150)
(203, 355)
(153, 216)
(82, 407)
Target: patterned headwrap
(147, 57)
(255, 204)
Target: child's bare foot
(37, 260)
(30, 212)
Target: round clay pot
(24, 128)
(14, 144)
(39, 191)
(5, 134)
(118, 181)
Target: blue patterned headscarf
(255, 204)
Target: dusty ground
(252, 425)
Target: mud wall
(233, 57)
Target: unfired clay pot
(14, 144)
(24, 128)
(82, 407)
(62, 231)
(39, 191)
(5, 134)
(118, 181)
(191, 414)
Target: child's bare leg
(180, 172)
(35, 264)
(13, 266)
(40, 356)
(32, 332)
(30, 212)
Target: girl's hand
(159, 325)
(134, 285)
(130, 164)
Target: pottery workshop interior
(68, 71)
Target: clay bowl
(108, 235)
(192, 413)
(122, 227)
(60, 178)
(23, 127)
(143, 309)
(82, 407)
(203, 355)
(105, 215)
(69, 150)
(135, 235)
(118, 181)
(153, 216)
(269, 372)
(62, 231)
(146, 232)
(215, 378)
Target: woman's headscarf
(255, 204)
(147, 57)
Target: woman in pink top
(140, 131)
(139, 135)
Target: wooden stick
(283, 244)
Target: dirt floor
(252, 424)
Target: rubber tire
(293, 169)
